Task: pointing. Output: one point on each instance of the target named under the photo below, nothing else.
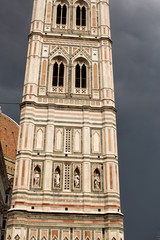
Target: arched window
(58, 75)
(61, 14)
(80, 79)
(78, 16)
(81, 16)
(64, 14)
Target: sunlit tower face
(67, 180)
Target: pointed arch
(58, 20)
(64, 14)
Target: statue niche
(76, 178)
(57, 178)
(37, 177)
(97, 181)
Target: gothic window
(97, 180)
(81, 16)
(58, 74)
(67, 170)
(113, 238)
(76, 178)
(61, 14)
(81, 78)
(67, 141)
(37, 177)
(57, 177)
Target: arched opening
(61, 75)
(58, 14)
(58, 75)
(77, 82)
(55, 74)
(78, 16)
(83, 76)
(64, 14)
(83, 16)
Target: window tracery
(58, 76)
(61, 14)
(80, 78)
(81, 16)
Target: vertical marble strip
(48, 12)
(95, 76)
(111, 177)
(16, 173)
(105, 54)
(115, 142)
(31, 88)
(35, 48)
(109, 140)
(93, 16)
(116, 174)
(26, 137)
(23, 173)
(20, 140)
(43, 73)
(47, 175)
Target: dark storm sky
(136, 54)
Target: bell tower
(66, 184)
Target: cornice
(68, 107)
